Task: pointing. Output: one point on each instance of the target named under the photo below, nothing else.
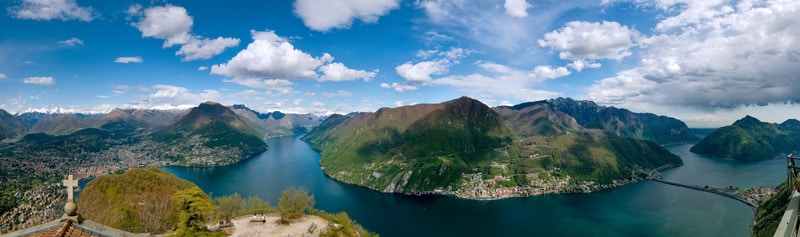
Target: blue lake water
(639, 209)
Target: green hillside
(210, 134)
(443, 146)
(749, 139)
(136, 201)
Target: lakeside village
(39, 172)
(557, 182)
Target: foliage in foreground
(233, 205)
(138, 200)
(294, 203)
(342, 225)
(771, 211)
(194, 210)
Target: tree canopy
(294, 203)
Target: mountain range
(209, 134)
(453, 146)
(568, 116)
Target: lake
(644, 208)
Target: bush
(294, 203)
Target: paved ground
(242, 227)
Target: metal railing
(788, 225)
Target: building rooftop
(69, 228)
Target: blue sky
(706, 62)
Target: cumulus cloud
(205, 48)
(202, 68)
(323, 15)
(591, 40)
(500, 81)
(71, 42)
(126, 60)
(42, 81)
(44, 10)
(273, 57)
(548, 72)
(173, 25)
(421, 72)
(580, 64)
(713, 54)
(173, 97)
(270, 56)
(170, 23)
(517, 8)
(340, 72)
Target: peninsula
(464, 148)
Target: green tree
(255, 205)
(294, 203)
(194, 210)
(229, 206)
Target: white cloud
(425, 54)
(548, 72)
(500, 81)
(270, 56)
(134, 10)
(71, 42)
(421, 72)
(42, 81)
(202, 68)
(3, 76)
(713, 54)
(580, 64)
(517, 8)
(339, 72)
(52, 9)
(586, 40)
(273, 57)
(206, 48)
(339, 93)
(126, 60)
(323, 15)
(173, 24)
(165, 97)
(399, 87)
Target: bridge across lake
(750, 203)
